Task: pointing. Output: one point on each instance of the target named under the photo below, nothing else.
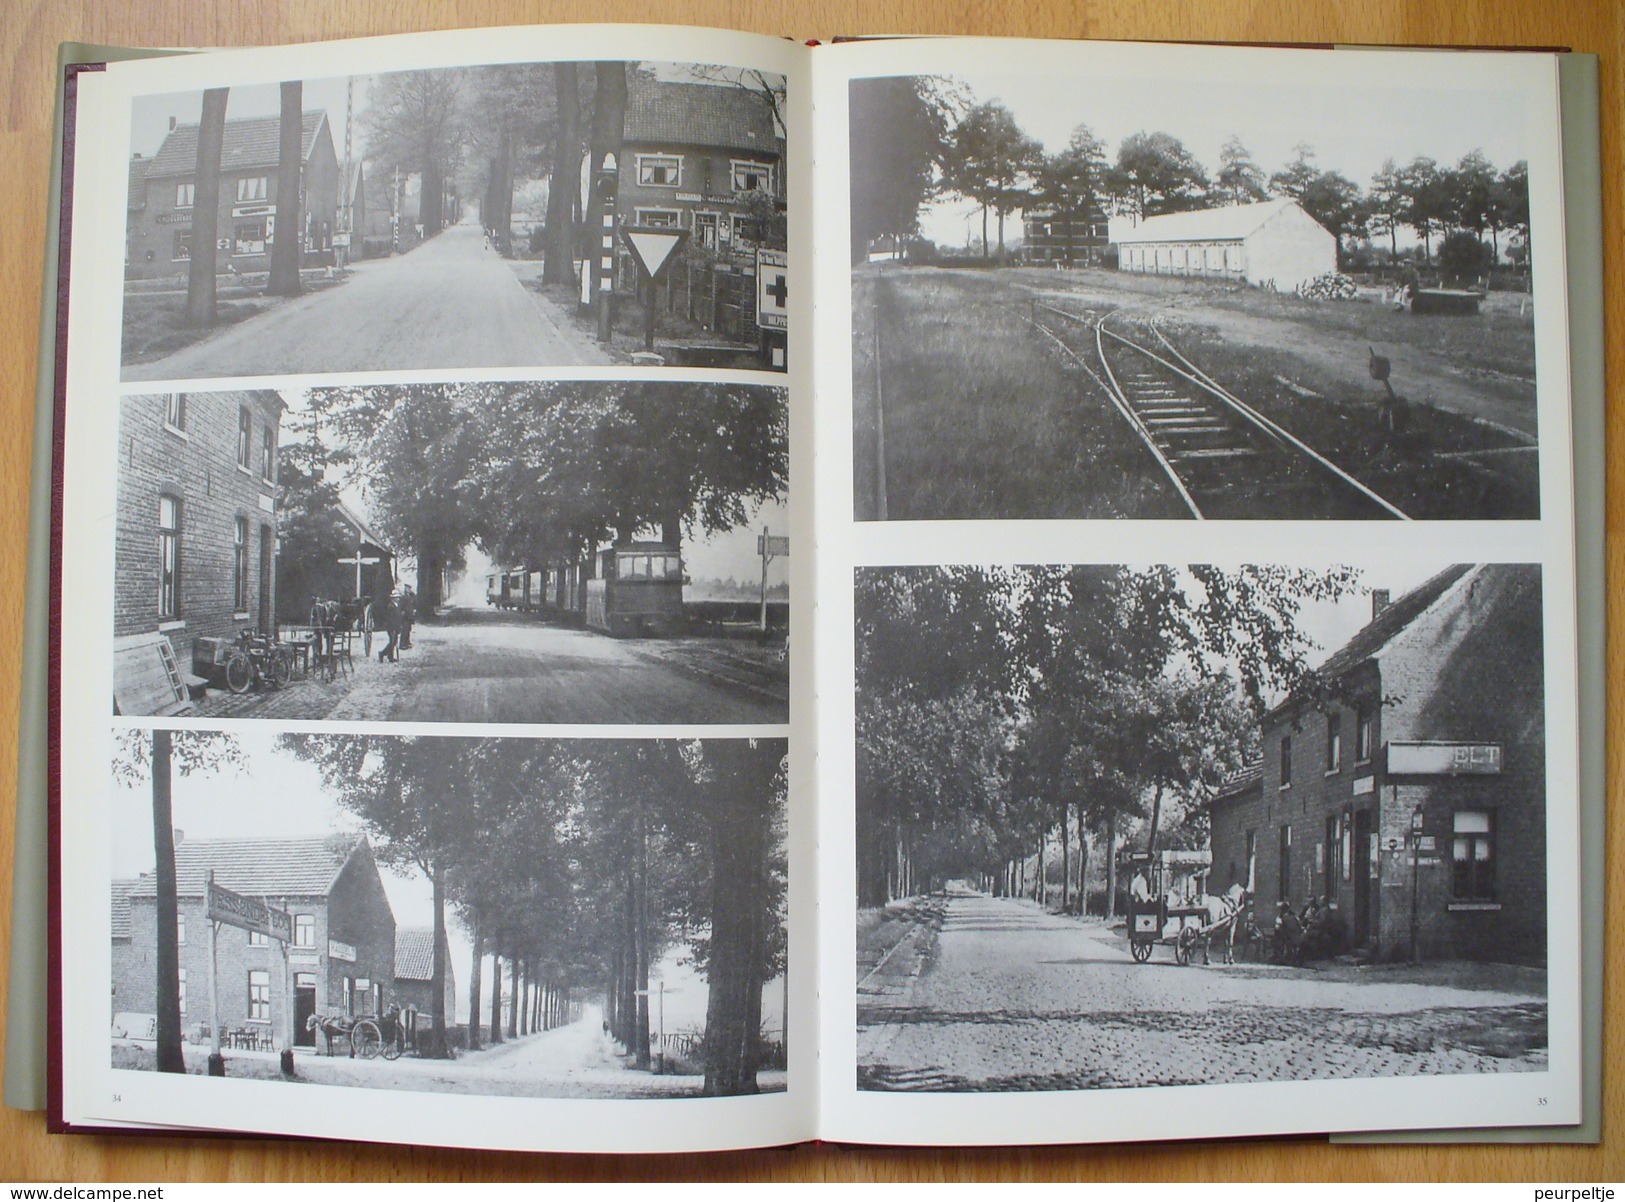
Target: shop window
(181, 250)
(259, 996)
(1473, 856)
(664, 218)
(249, 237)
(660, 170)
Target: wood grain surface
(29, 33)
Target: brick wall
(361, 917)
(199, 466)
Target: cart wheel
(367, 1039)
(1185, 948)
(239, 672)
(392, 1049)
(1141, 951)
(280, 668)
(366, 631)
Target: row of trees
(917, 137)
(532, 472)
(997, 705)
(575, 863)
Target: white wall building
(1274, 244)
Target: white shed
(1274, 243)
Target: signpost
(653, 247)
(604, 267)
(769, 547)
(221, 905)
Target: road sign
(652, 245)
(772, 545)
(772, 290)
(235, 910)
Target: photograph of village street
(604, 552)
(543, 918)
(428, 231)
(1102, 297)
(1127, 826)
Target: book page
(433, 407)
(1206, 599)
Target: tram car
(639, 591)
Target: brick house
(196, 528)
(1051, 237)
(1274, 243)
(162, 192)
(1438, 720)
(692, 155)
(342, 959)
(414, 973)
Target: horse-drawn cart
(1169, 904)
(368, 1036)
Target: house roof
(249, 143)
(414, 953)
(121, 890)
(368, 534)
(1250, 777)
(259, 867)
(1228, 224)
(137, 195)
(698, 114)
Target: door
(267, 539)
(304, 1005)
(1362, 877)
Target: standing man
(387, 617)
(409, 614)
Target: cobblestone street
(994, 994)
(484, 666)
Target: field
(969, 413)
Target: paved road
(994, 994)
(449, 303)
(485, 666)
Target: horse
(1223, 916)
(331, 1026)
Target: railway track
(1220, 455)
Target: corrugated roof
(137, 195)
(414, 953)
(258, 867)
(1208, 225)
(121, 891)
(249, 142)
(698, 114)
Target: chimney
(1380, 599)
(180, 836)
(172, 123)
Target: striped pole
(606, 260)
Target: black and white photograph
(1125, 826)
(513, 215)
(536, 918)
(1176, 298)
(579, 552)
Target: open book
(631, 589)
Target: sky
(1351, 129)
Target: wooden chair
(340, 650)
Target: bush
(1331, 286)
(1463, 258)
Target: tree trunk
(168, 1002)
(478, 939)
(432, 196)
(513, 997)
(640, 938)
(1156, 817)
(608, 132)
(1083, 866)
(563, 178)
(288, 241)
(206, 209)
(437, 1011)
(428, 585)
(496, 995)
(739, 846)
(1111, 862)
(1066, 864)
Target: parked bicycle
(258, 659)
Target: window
(175, 411)
(666, 218)
(239, 591)
(1284, 864)
(1364, 729)
(1286, 760)
(304, 930)
(1472, 857)
(259, 995)
(1334, 849)
(268, 456)
(754, 177)
(1252, 860)
(182, 982)
(182, 248)
(707, 230)
(169, 558)
(660, 170)
(184, 193)
(348, 998)
(253, 187)
(180, 930)
(245, 437)
(258, 939)
(1334, 743)
(249, 237)
(1345, 853)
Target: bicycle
(258, 659)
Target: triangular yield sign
(653, 246)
